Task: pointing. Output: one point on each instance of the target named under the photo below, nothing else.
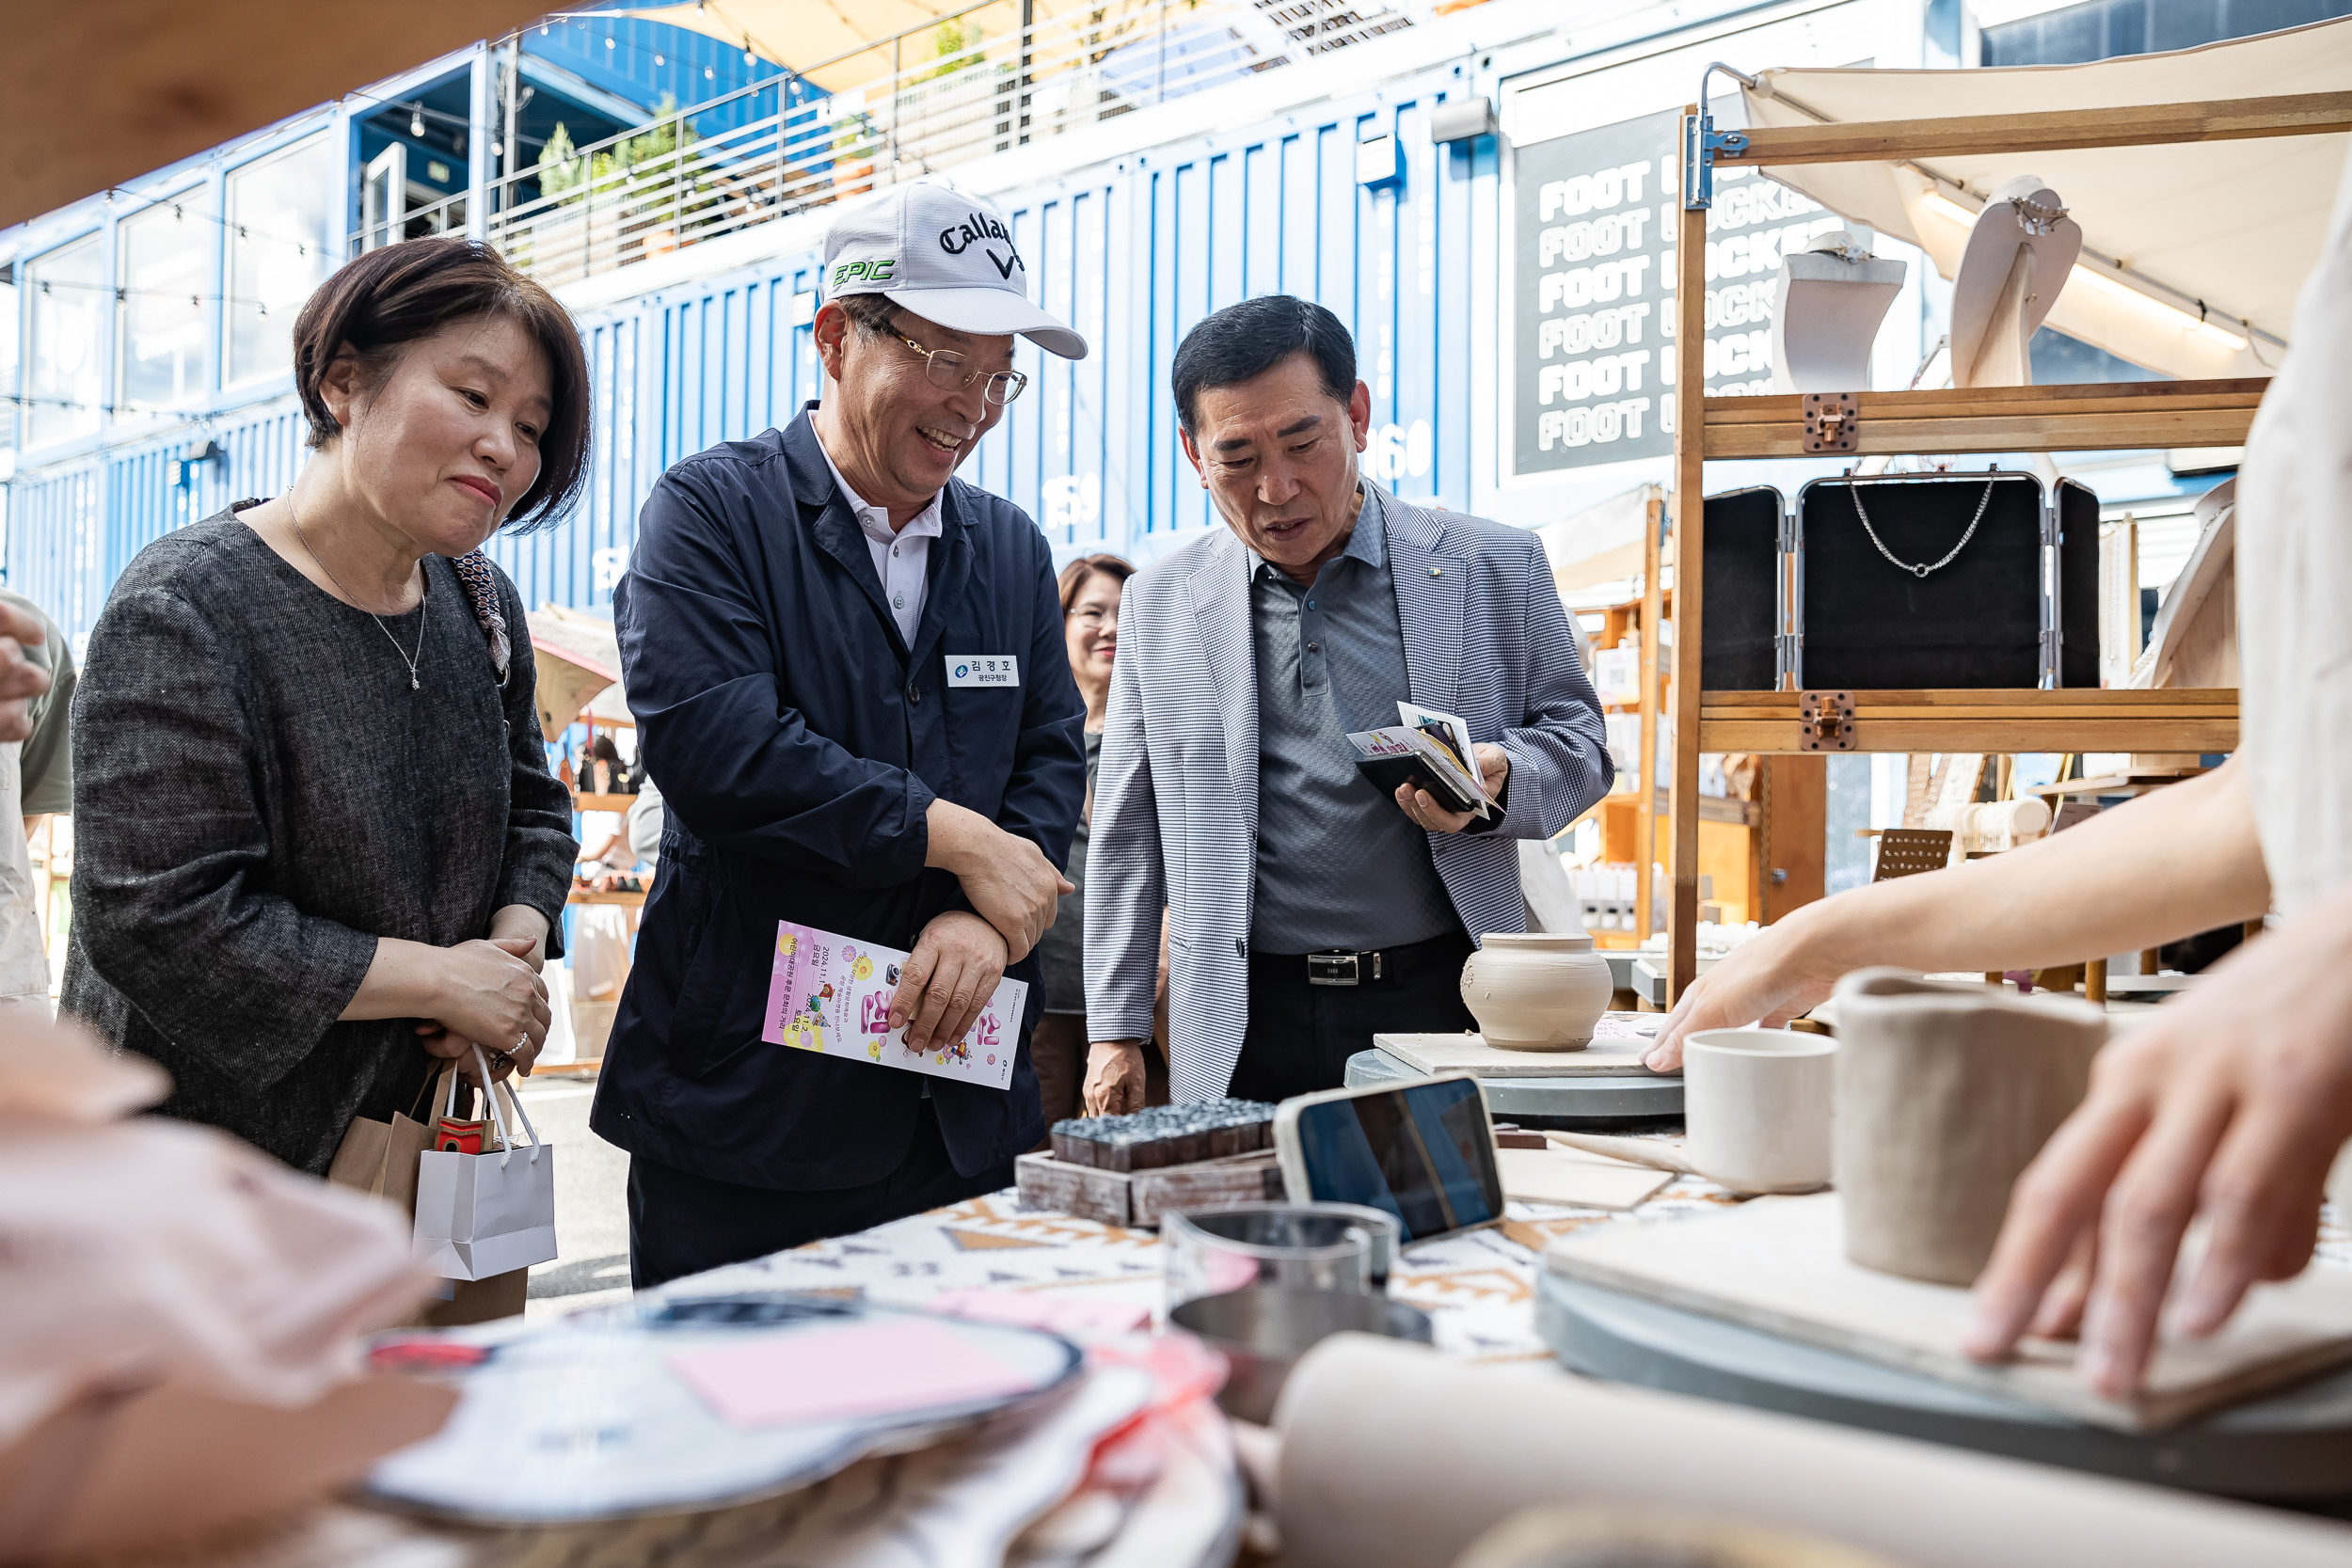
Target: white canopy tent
(2193, 252)
(577, 659)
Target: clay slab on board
(1583, 1180)
(1779, 1264)
(1605, 1057)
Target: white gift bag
(490, 1213)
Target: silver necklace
(1921, 571)
(424, 623)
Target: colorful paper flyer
(831, 995)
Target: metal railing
(945, 94)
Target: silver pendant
(412, 683)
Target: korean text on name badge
(831, 995)
(983, 669)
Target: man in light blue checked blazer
(1306, 909)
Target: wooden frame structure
(1994, 418)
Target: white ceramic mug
(1757, 1106)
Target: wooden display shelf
(626, 900)
(2203, 720)
(1980, 420)
(603, 802)
(2301, 114)
(2115, 783)
(2094, 417)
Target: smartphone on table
(1422, 1150)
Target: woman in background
(317, 845)
(1090, 587)
(603, 772)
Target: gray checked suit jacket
(1176, 798)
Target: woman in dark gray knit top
(317, 845)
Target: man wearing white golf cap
(800, 629)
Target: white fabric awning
(2237, 225)
(578, 657)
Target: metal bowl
(1303, 1225)
(1263, 1331)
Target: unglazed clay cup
(1945, 1093)
(1757, 1106)
(1537, 990)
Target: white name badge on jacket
(983, 669)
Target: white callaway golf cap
(946, 257)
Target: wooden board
(1140, 1198)
(2091, 719)
(2076, 418)
(1577, 1178)
(1603, 1058)
(1778, 1264)
(2301, 114)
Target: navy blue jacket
(798, 742)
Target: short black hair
(1243, 341)
(389, 297)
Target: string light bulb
(416, 122)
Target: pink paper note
(833, 1374)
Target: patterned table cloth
(1478, 1287)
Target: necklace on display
(424, 623)
(1921, 569)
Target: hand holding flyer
(1430, 751)
(831, 994)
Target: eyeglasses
(1094, 615)
(945, 368)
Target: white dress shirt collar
(901, 556)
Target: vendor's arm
(2228, 1106)
(737, 764)
(2182, 860)
(1126, 892)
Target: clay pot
(1537, 990)
(1945, 1093)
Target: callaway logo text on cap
(942, 255)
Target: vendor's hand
(1008, 878)
(2228, 1105)
(1114, 1083)
(1494, 770)
(953, 971)
(1773, 977)
(21, 679)
(490, 995)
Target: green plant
(561, 168)
(649, 155)
(956, 45)
(854, 140)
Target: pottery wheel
(1588, 1102)
(2294, 1447)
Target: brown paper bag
(380, 1158)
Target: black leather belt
(1344, 969)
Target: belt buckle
(1331, 969)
